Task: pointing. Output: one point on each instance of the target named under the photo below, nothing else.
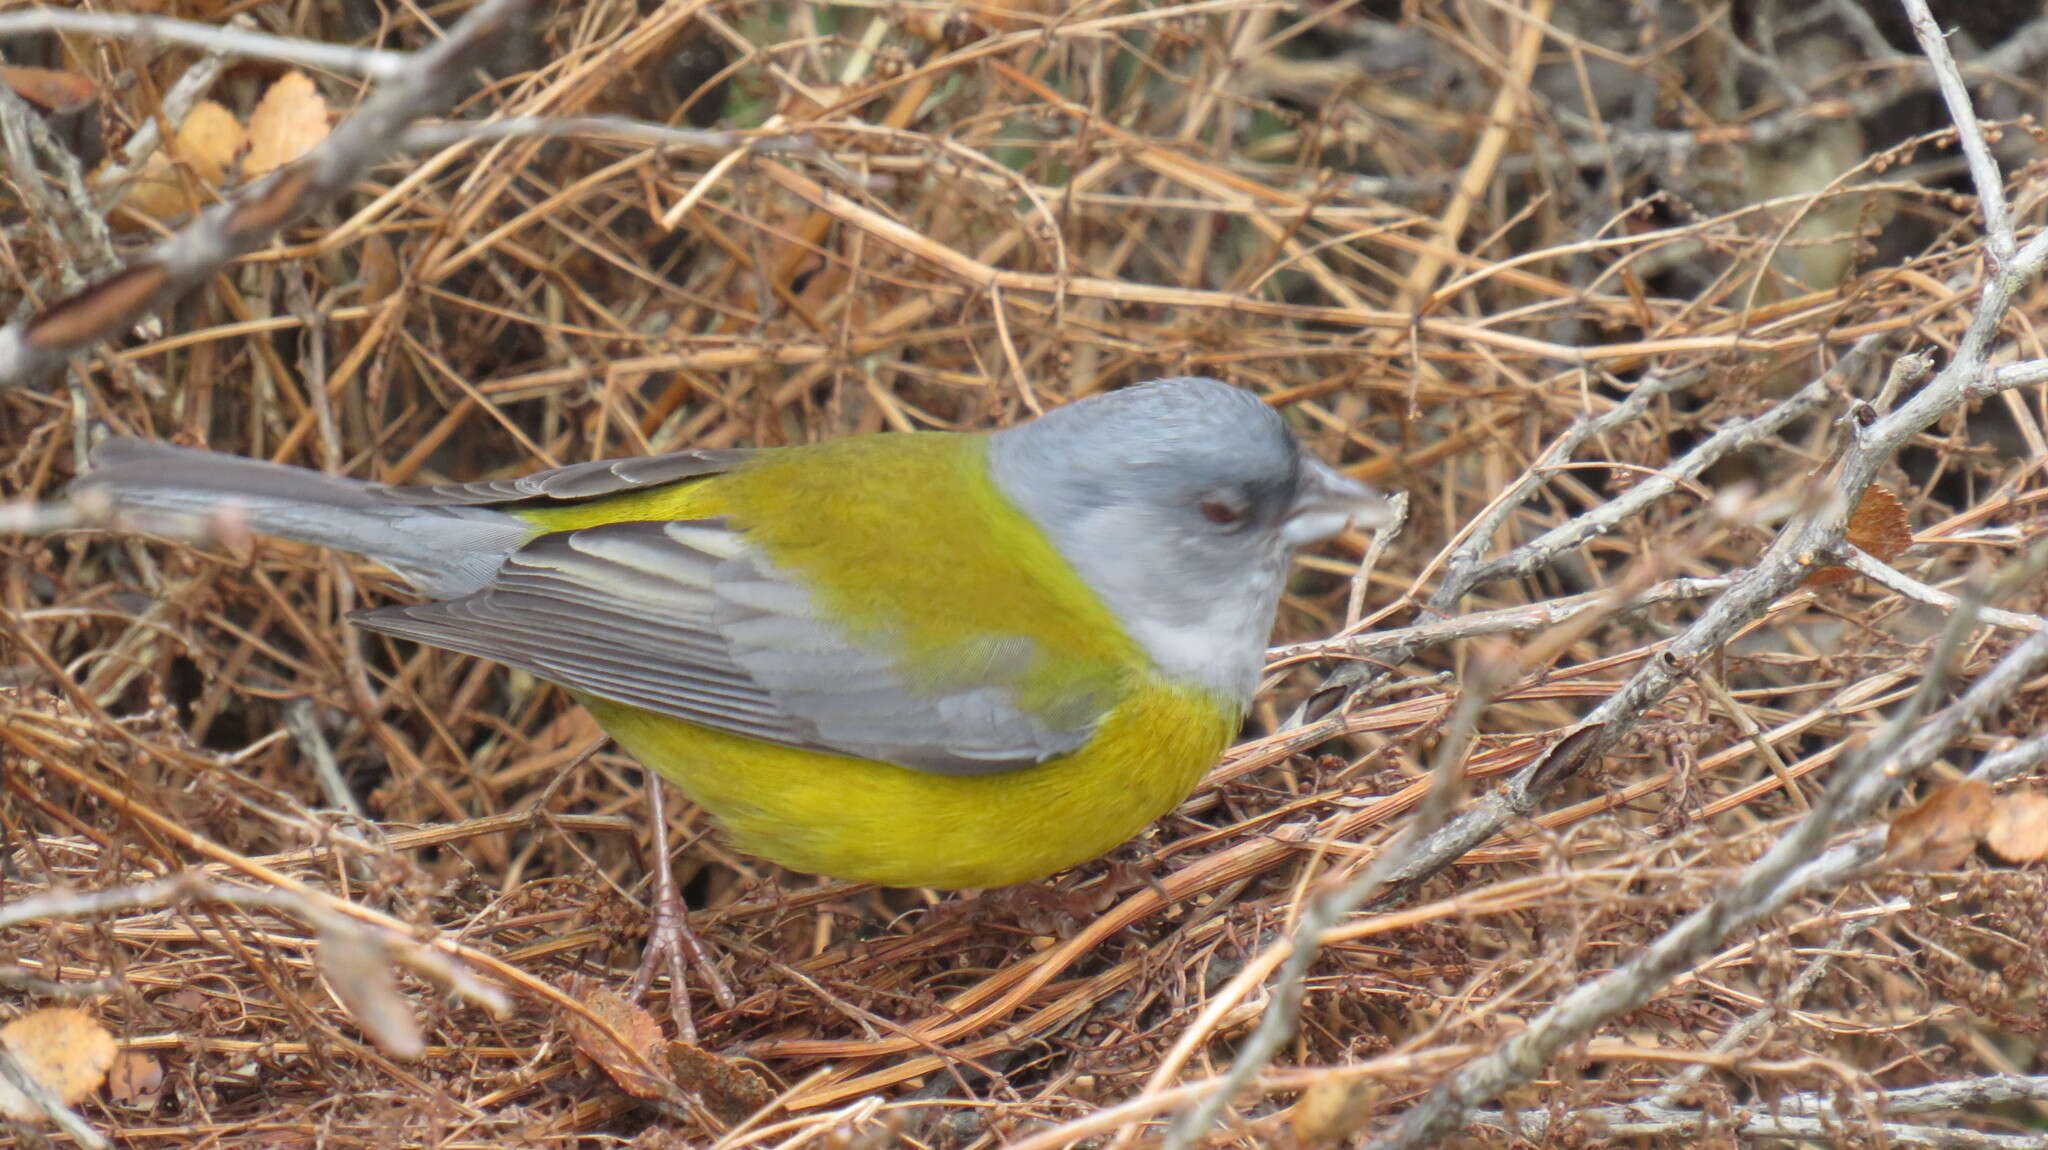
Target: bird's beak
(1329, 501)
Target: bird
(940, 659)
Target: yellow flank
(880, 823)
(924, 556)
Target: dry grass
(1436, 241)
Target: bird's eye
(1221, 511)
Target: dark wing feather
(682, 619)
(576, 481)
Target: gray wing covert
(577, 481)
(681, 619)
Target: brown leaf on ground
(380, 274)
(62, 1047)
(1943, 829)
(728, 1088)
(2018, 831)
(1330, 1111)
(135, 1079)
(206, 143)
(50, 88)
(1878, 526)
(358, 970)
(641, 1032)
(287, 123)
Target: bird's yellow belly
(875, 822)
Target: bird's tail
(444, 551)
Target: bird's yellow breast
(875, 822)
(904, 540)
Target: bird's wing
(577, 481)
(681, 618)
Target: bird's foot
(672, 947)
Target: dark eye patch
(1221, 511)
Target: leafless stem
(1466, 569)
(193, 887)
(231, 40)
(1620, 1122)
(1532, 617)
(1891, 577)
(1486, 676)
(1984, 171)
(34, 346)
(425, 137)
(1859, 785)
(1789, 999)
(1815, 1115)
(1790, 867)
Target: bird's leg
(671, 944)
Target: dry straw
(1563, 815)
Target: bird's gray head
(1179, 502)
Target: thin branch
(1504, 620)
(35, 346)
(1812, 1114)
(1790, 867)
(1858, 786)
(1466, 569)
(231, 40)
(190, 886)
(1290, 985)
(624, 129)
(1891, 577)
(1984, 171)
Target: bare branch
(1984, 171)
(1859, 785)
(232, 40)
(1815, 1115)
(32, 347)
(1881, 572)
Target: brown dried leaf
(1331, 1111)
(135, 1078)
(379, 274)
(727, 1088)
(186, 1001)
(154, 192)
(1943, 829)
(207, 142)
(641, 1032)
(1828, 576)
(96, 309)
(1879, 526)
(62, 1047)
(359, 972)
(287, 123)
(51, 88)
(2019, 827)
